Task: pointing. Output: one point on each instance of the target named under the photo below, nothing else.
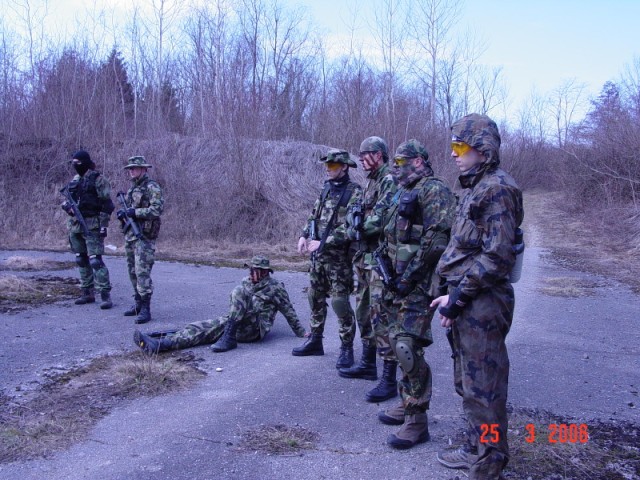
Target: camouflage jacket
(377, 196)
(337, 239)
(268, 298)
(414, 244)
(145, 195)
(480, 253)
(100, 200)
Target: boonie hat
(137, 161)
(259, 262)
(338, 156)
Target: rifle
(450, 339)
(71, 204)
(357, 213)
(383, 269)
(127, 221)
(161, 333)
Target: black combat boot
(366, 368)
(106, 300)
(345, 360)
(228, 340)
(387, 386)
(311, 346)
(145, 311)
(152, 345)
(88, 296)
(135, 309)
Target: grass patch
(63, 410)
(568, 287)
(20, 293)
(278, 440)
(29, 264)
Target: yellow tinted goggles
(400, 161)
(332, 166)
(460, 148)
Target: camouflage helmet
(260, 262)
(375, 144)
(137, 161)
(412, 149)
(338, 156)
(479, 132)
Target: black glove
(131, 212)
(67, 208)
(403, 288)
(457, 301)
(103, 232)
(121, 214)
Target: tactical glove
(121, 214)
(457, 301)
(131, 212)
(67, 208)
(103, 232)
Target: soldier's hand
(302, 245)
(313, 245)
(103, 232)
(131, 212)
(121, 214)
(403, 288)
(67, 208)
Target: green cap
(338, 156)
(137, 161)
(412, 149)
(259, 262)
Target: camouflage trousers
(332, 276)
(140, 258)
(363, 303)
(209, 331)
(481, 375)
(413, 330)
(383, 317)
(85, 247)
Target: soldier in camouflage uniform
(377, 193)
(145, 203)
(254, 305)
(480, 300)
(416, 235)
(92, 193)
(324, 236)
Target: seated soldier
(254, 305)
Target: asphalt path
(576, 357)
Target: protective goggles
(460, 148)
(333, 166)
(400, 161)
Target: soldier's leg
(79, 247)
(95, 247)
(199, 333)
(341, 279)
(130, 254)
(144, 258)
(482, 329)
(363, 305)
(317, 295)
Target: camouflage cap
(338, 156)
(375, 144)
(137, 161)
(259, 261)
(479, 132)
(412, 149)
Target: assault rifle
(127, 221)
(383, 269)
(450, 339)
(71, 205)
(357, 213)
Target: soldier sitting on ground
(254, 305)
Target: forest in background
(234, 102)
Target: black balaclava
(85, 162)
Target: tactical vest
(84, 192)
(150, 228)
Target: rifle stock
(127, 221)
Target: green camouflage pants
(331, 275)
(383, 316)
(481, 374)
(140, 259)
(209, 331)
(414, 330)
(363, 303)
(84, 248)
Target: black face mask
(81, 167)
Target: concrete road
(572, 356)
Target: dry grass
(30, 264)
(61, 412)
(19, 293)
(568, 287)
(278, 440)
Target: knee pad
(405, 350)
(82, 260)
(96, 262)
(341, 306)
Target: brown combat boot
(415, 430)
(393, 415)
(88, 296)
